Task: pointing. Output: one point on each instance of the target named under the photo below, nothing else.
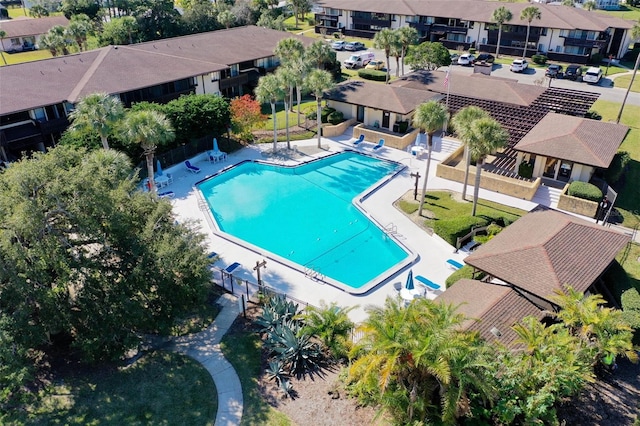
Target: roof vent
(496, 332)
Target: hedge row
(374, 75)
(450, 229)
(585, 190)
(630, 301)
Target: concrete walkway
(204, 347)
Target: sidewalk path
(204, 347)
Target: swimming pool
(306, 216)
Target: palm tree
(396, 52)
(407, 36)
(3, 34)
(331, 324)
(319, 81)
(319, 53)
(79, 28)
(384, 40)
(500, 16)
(462, 123)
(487, 135)
(148, 129)
(270, 90)
(287, 80)
(603, 330)
(291, 52)
(97, 112)
(52, 42)
(130, 25)
(429, 116)
(226, 18)
(60, 34)
(529, 14)
(589, 5)
(635, 35)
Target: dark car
(573, 72)
(485, 57)
(554, 71)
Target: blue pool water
(305, 214)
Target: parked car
(593, 75)
(466, 59)
(454, 58)
(339, 44)
(375, 65)
(554, 71)
(519, 65)
(573, 72)
(485, 57)
(354, 46)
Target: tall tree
(430, 117)
(407, 36)
(245, 113)
(385, 39)
(589, 5)
(300, 8)
(119, 31)
(318, 53)
(287, 80)
(79, 29)
(462, 124)
(291, 53)
(428, 56)
(635, 35)
(529, 14)
(319, 81)
(270, 90)
(486, 136)
(147, 129)
(99, 112)
(500, 16)
(226, 18)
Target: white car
(592, 76)
(466, 59)
(519, 65)
(338, 45)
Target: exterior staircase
(547, 196)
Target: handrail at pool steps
(204, 208)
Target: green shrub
(539, 59)
(450, 229)
(585, 190)
(311, 22)
(335, 117)
(325, 113)
(465, 272)
(472, 50)
(403, 126)
(312, 115)
(617, 167)
(630, 301)
(525, 170)
(375, 75)
(596, 58)
(408, 207)
(594, 115)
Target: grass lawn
(623, 82)
(303, 24)
(625, 12)
(160, 388)
(242, 348)
(305, 107)
(17, 58)
(17, 12)
(628, 202)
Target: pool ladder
(313, 274)
(391, 229)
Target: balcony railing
(449, 29)
(582, 42)
(234, 81)
(52, 126)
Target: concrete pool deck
(432, 251)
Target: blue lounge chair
(380, 145)
(454, 264)
(359, 141)
(212, 255)
(191, 167)
(428, 283)
(229, 269)
(168, 194)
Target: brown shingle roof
(118, 69)
(401, 100)
(582, 140)
(561, 17)
(488, 306)
(545, 251)
(473, 86)
(31, 27)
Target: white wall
(206, 86)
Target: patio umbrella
(215, 145)
(159, 168)
(409, 284)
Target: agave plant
(296, 351)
